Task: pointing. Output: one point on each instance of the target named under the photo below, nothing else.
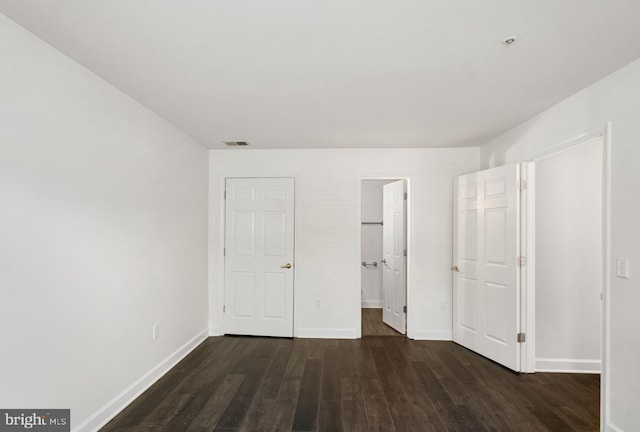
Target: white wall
(371, 242)
(568, 259)
(328, 230)
(616, 98)
(103, 229)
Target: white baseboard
(444, 335)
(328, 333)
(121, 401)
(372, 304)
(610, 427)
(568, 365)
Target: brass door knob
(455, 268)
(287, 265)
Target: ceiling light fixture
(509, 40)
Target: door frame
(223, 245)
(603, 132)
(358, 313)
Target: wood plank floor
(369, 384)
(372, 324)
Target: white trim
(613, 428)
(581, 138)
(528, 293)
(442, 335)
(568, 365)
(216, 253)
(521, 284)
(371, 304)
(128, 395)
(455, 183)
(359, 244)
(328, 333)
(605, 404)
(216, 331)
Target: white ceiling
(341, 73)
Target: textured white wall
(568, 259)
(371, 242)
(616, 98)
(328, 230)
(103, 229)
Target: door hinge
(522, 185)
(224, 252)
(406, 195)
(521, 337)
(224, 308)
(404, 309)
(522, 261)
(225, 194)
(405, 252)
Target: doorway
(559, 271)
(383, 266)
(568, 257)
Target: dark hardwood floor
(372, 324)
(370, 384)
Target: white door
(486, 308)
(394, 256)
(259, 257)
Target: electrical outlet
(155, 332)
(443, 306)
(622, 267)
(316, 304)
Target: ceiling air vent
(236, 143)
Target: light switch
(622, 267)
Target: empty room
(319, 215)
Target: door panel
(244, 288)
(274, 233)
(258, 246)
(274, 286)
(394, 260)
(243, 232)
(467, 304)
(486, 307)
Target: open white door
(259, 257)
(394, 256)
(486, 297)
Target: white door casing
(394, 262)
(486, 288)
(259, 256)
